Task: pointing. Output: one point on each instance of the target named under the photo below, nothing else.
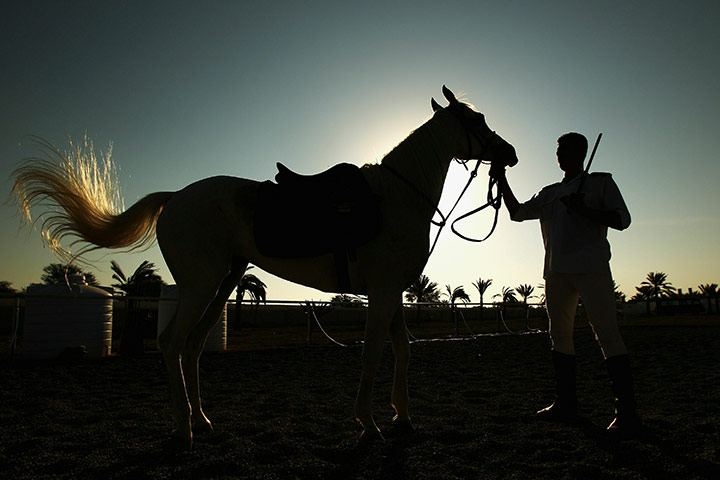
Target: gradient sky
(187, 92)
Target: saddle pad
(307, 219)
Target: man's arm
(508, 196)
(608, 218)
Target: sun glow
(457, 178)
(382, 137)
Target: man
(574, 229)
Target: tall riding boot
(627, 421)
(565, 405)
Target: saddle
(332, 212)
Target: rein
(492, 201)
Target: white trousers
(562, 291)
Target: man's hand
(575, 202)
(497, 173)
(511, 203)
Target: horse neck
(423, 158)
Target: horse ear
(435, 106)
(449, 95)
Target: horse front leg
(380, 312)
(401, 348)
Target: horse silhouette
(206, 233)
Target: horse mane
(432, 123)
(421, 152)
(79, 196)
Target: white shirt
(573, 243)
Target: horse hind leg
(196, 342)
(190, 308)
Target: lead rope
(459, 312)
(502, 319)
(310, 308)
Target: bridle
(494, 201)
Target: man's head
(571, 151)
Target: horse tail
(78, 197)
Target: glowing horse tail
(79, 198)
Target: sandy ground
(287, 413)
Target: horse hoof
(179, 444)
(202, 427)
(370, 436)
(403, 426)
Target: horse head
(481, 142)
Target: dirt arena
(284, 413)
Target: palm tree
(644, 292)
(525, 291)
(482, 286)
(541, 298)
(345, 300)
(659, 287)
(507, 296)
(710, 290)
(254, 287)
(455, 294)
(144, 282)
(706, 288)
(58, 273)
(422, 290)
(620, 296)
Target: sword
(587, 168)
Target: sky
(187, 90)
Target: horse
(205, 234)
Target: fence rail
(425, 320)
